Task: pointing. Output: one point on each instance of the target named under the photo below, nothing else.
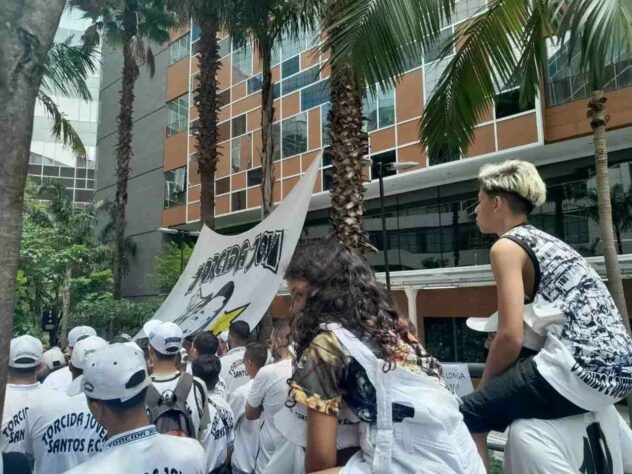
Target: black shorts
(519, 392)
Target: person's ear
(497, 203)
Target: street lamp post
(180, 233)
(381, 168)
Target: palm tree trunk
(26, 33)
(208, 110)
(65, 303)
(349, 144)
(124, 155)
(598, 121)
(267, 123)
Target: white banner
(235, 277)
(457, 376)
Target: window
(177, 114)
(324, 123)
(222, 186)
(290, 67)
(179, 49)
(254, 177)
(450, 340)
(242, 63)
(379, 110)
(315, 95)
(295, 135)
(175, 187)
(433, 53)
(224, 47)
(300, 80)
(432, 74)
(223, 98)
(467, 8)
(254, 84)
(328, 170)
(238, 201)
(508, 103)
(276, 90)
(195, 33)
(239, 126)
(384, 158)
(241, 153)
(291, 46)
(276, 139)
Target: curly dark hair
(342, 289)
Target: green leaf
(62, 128)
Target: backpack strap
(151, 400)
(381, 381)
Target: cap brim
(76, 387)
(482, 324)
(24, 365)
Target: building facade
(51, 159)
(431, 234)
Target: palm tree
(211, 16)
(126, 24)
(369, 45)
(506, 45)
(265, 21)
(27, 29)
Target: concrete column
(411, 296)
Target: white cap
(26, 352)
(79, 333)
(166, 338)
(115, 372)
(84, 348)
(223, 336)
(489, 324)
(54, 358)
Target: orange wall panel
(314, 132)
(276, 190)
(239, 92)
(410, 96)
(194, 176)
(318, 187)
(223, 161)
(484, 141)
(253, 120)
(194, 194)
(309, 58)
(291, 105)
(457, 302)
(177, 79)
(308, 158)
(412, 153)
(224, 113)
(173, 216)
(194, 212)
(291, 166)
(175, 151)
(222, 204)
(254, 197)
(193, 113)
(408, 132)
(238, 181)
(276, 73)
(177, 33)
(382, 139)
(249, 103)
(517, 131)
(288, 185)
(223, 76)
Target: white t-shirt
(144, 450)
(246, 431)
(196, 400)
(18, 400)
(61, 433)
(59, 380)
(269, 390)
(233, 370)
(591, 442)
(220, 435)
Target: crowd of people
(343, 385)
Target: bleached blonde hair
(516, 177)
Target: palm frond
(491, 49)
(601, 31)
(61, 128)
(67, 67)
(377, 38)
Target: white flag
(235, 277)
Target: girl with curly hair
(353, 348)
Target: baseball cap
(25, 352)
(166, 338)
(115, 372)
(489, 324)
(79, 333)
(84, 348)
(54, 358)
